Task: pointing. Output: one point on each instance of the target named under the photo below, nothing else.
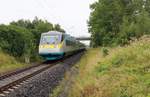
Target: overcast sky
(72, 15)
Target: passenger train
(55, 45)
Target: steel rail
(17, 82)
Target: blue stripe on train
(53, 56)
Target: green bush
(105, 51)
(21, 38)
(126, 69)
(15, 40)
(118, 21)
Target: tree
(57, 27)
(21, 38)
(116, 21)
(16, 41)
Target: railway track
(15, 72)
(8, 74)
(17, 82)
(12, 80)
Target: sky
(72, 15)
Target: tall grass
(8, 63)
(124, 72)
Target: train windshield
(51, 39)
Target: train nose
(50, 46)
(46, 50)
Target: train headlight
(59, 45)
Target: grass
(123, 72)
(85, 79)
(65, 84)
(8, 63)
(69, 78)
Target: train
(55, 45)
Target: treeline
(116, 22)
(21, 38)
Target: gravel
(43, 84)
(10, 79)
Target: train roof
(56, 32)
(52, 32)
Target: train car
(55, 45)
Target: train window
(70, 43)
(62, 37)
(50, 39)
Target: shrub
(105, 51)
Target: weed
(105, 51)
(8, 63)
(124, 72)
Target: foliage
(125, 72)
(8, 63)
(85, 78)
(105, 51)
(21, 38)
(15, 40)
(114, 22)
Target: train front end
(51, 44)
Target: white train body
(55, 45)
